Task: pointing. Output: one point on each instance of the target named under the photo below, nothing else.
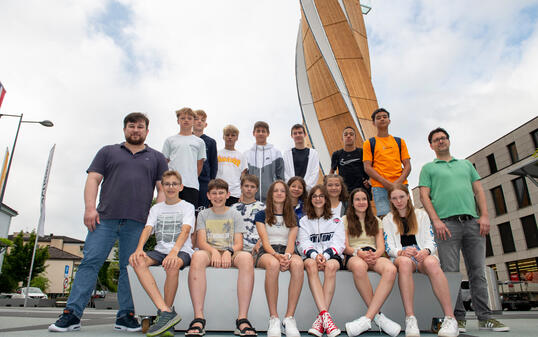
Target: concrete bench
(347, 305)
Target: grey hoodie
(265, 162)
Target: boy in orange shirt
(386, 161)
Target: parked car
(33, 292)
(518, 295)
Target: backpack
(372, 147)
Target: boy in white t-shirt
(232, 164)
(172, 221)
(186, 154)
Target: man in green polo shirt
(448, 187)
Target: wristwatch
(429, 251)
(231, 250)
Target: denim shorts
(381, 199)
(159, 257)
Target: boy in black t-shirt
(349, 162)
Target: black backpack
(372, 147)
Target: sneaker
(462, 325)
(328, 324)
(274, 327)
(493, 325)
(127, 322)
(358, 326)
(317, 327)
(390, 327)
(169, 333)
(67, 322)
(449, 327)
(290, 327)
(411, 327)
(164, 321)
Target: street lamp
(46, 123)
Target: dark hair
(309, 208)
(439, 129)
(135, 117)
(376, 111)
(252, 178)
(288, 213)
(412, 222)
(301, 180)
(354, 224)
(217, 184)
(298, 126)
(343, 192)
(349, 127)
(261, 124)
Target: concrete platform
(31, 322)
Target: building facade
(509, 168)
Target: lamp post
(46, 123)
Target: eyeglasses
(318, 196)
(171, 184)
(437, 140)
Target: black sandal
(243, 332)
(200, 331)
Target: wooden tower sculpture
(333, 75)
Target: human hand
(137, 257)
(483, 221)
(441, 230)
(171, 261)
(226, 259)
(421, 255)
(91, 218)
(216, 259)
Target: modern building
(6, 213)
(509, 171)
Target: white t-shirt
(184, 153)
(278, 232)
(337, 210)
(231, 164)
(167, 222)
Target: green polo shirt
(451, 186)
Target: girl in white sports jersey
(364, 251)
(321, 240)
(277, 228)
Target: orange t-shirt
(387, 160)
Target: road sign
(66, 271)
(66, 283)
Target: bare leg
(272, 270)
(359, 269)
(331, 267)
(315, 284)
(296, 284)
(170, 285)
(148, 283)
(430, 266)
(405, 281)
(197, 283)
(245, 283)
(387, 270)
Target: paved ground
(34, 322)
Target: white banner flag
(41, 224)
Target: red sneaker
(330, 328)
(317, 327)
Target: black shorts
(335, 257)
(280, 249)
(231, 200)
(159, 257)
(190, 195)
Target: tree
(16, 265)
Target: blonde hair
(172, 173)
(185, 111)
(230, 129)
(200, 113)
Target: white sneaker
(290, 327)
(390, 327)
(358, 326)
(449, 328)
(411, 327)
(274, 327)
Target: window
(492, 163)
(507, 239)
(530, 231)
(513, 152)
(522, 192)
(498, 200)
(518, 269)
(534, 136)
(489, 248)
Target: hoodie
(321, 236)
(265, 162)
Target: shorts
(381, 199)
(190, 195)
(280, 249)
(231, 200)
(159, 257)
(335, 257)
(347, 257)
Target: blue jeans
(381, 199)
(96, 249)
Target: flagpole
(31, 269)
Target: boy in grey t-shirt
(219, 233)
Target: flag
(2, 93)
(41, 223)
(4, 169)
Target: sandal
(243, 332)
(199, 331)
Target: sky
(470, 67)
